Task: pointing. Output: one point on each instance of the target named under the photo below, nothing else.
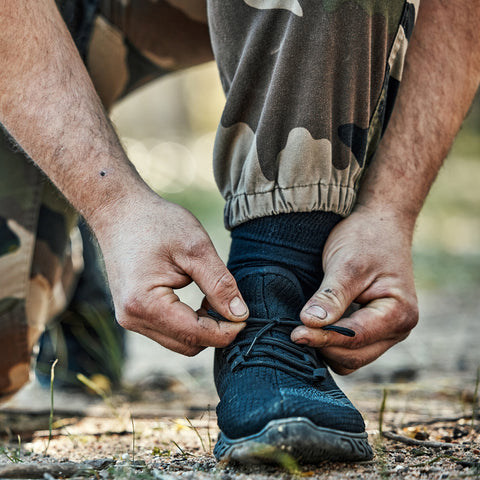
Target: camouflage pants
(40, 243)
(309, 88)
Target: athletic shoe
(276, 396)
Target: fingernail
(238, 307)
(316, 311)
(298, 336)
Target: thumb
(219, 286)
(330, 302)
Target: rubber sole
(297, 438)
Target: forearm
(49, 105)
(441, 75)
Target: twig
(36, 470)
(133, 439)
(60, 433)
(432, 421)
(382, 410)
(412, 441)
(50, 422)
(182, 451)
(460, 461)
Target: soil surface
(162, 424)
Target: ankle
(292, 241)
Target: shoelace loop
(282, 353)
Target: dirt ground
(162, 424)
(169, 432)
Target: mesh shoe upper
(264, 376)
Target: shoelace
(261, 350)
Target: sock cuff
(303, 231)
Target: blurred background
(168, 129)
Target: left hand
(367, 260)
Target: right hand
(150, 248)
(367, 259)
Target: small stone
(421, 435)
(459, 432)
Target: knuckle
(351, 363)
(189, 339)
(225, 283)
(407, 317)
(190, 351)
(413, 315)
(353, 268)
(225, 340)
(130, 312)
(332, 295)
(345, 365)
(132, 307)
(124, 321)
(357, 341)
(197, 246)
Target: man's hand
(153, 247)
(366, 260)
(49, 105)
(367, 257)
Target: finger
(194, 337)
(167, 317)
(218, 284)
(345, 361)
(204, 307)
(171, 343)
(336, 293)
(382, 319)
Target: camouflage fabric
(40, 258)
(136, 41)
(40, 245)
(310, 85)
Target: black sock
(293, 241)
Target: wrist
(403, 218)
(119, 202)
(399, 200)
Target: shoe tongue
(271, 292)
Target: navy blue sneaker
(276, 396)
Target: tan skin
(367, 258)
(151, 246)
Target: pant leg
(40, 245)
(136, 41)
(40, 258)
(309, 86)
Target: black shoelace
(259, 350)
